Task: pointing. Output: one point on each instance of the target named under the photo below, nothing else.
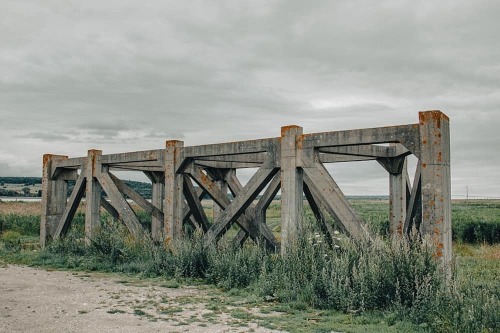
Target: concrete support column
(54, 196)
(157, 191)
(92, 193)
(291, 187)
(222, 185)
(173, 201)
(397, 200)
(436, 183)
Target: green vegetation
(476, 222)
(30, 187)
(144, 189)
(359, 286)
(20, 186)
(27, 181)
(28, 225)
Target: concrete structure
(293, 163)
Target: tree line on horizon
(144, 189)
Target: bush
(11, 240)
(476, 222)
(477, 232)
(231, 267)
(359, 275)
(27, 225)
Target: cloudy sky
(128, 75)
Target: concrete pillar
(92, 193)
(397, 200)
(222, 185)
(54, 196)
(157, 192)
(173, 201)
(291, 187)
(436, 183)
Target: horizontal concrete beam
(337, 158)
(226, 165)
(152, 166)
(367, 150)
(231, 148)
(154, 163)
(59, 167)
(408, 135)
(243, 158)
(136, 156)
(352, 142)
(144, 169)
(69, 163)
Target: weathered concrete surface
(298, 158)
(436, 184)
(53, 197)
(92, 194)
(40, 301)
(173, 200)
(291, 185)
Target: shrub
(27, 225)
(11, 240)
(359, 275)
(231, 267)
(476, 222)
(477, 232)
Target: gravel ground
(35, 300)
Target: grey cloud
(129, 75)
(164, 136)
(47, 136)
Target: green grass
(476, 222)
(361, 286)
(311, 320)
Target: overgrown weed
(397, 278)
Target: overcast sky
(128, 75)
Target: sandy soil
(35, 300)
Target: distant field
(31, 190)
(474, 221)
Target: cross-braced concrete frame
(293, 163)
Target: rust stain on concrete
(300, 141)
(288, 128)
(46, 158)
(434, 116)
(172, 143)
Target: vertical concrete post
(222, 185)
(397, 200)
(436, 183)
(158, 189)
(54, 196)
(291, 187)
(173, 204)
(92, 193)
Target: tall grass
(378, 274)
(354, 276)
(23, 218)
(476, 222)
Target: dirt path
(35, 300)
